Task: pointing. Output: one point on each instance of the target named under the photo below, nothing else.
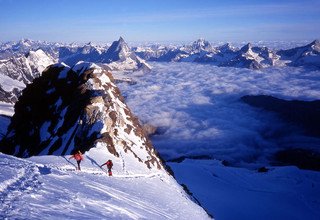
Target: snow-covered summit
(119, 56)
(79, 107)
(118, 51)
(18, 71)
(39, 60)
(201, 45)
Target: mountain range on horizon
(199, 51)
(24, 60)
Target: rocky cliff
(78, 108)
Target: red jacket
(77, 156)
(108, 163)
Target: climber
(78, 157)
(109, 166)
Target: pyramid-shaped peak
(315, 44)
(246, 47)
(121, 39)
(119, 50)
(120, 44)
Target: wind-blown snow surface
(48, 187)
(237, 193)
(198, 112)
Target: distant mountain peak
(201, 43)
(121, 40)
(246, 47)
(315, 45)
(225, 48)
(118, 50)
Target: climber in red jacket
(78, 157)
(109, 166)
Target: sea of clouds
(197, 109)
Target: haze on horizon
(148, 20)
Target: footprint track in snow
(24, 183)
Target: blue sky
(150, 20)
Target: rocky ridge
(76, 108)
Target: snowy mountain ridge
(48, 187)
(248, 56)
(18, 71)
(199, 51)
(77, 108)
(23, 62)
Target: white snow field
(238, 193)
(49, 187)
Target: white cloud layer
(197, 109)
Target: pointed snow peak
(246, 48)
(120, 44)
(119, 50)
(121, 40)
(315, 45)
(315, 42)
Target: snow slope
(237, 193)
(48, 187)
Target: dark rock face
(38, 105)
(68, 109)
(304, 159)
(305, 114)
